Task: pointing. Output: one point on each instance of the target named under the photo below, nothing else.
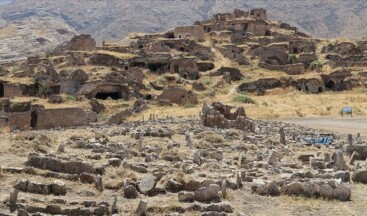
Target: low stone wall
(63, 117)
(19, 121)
(291, 69)
(12, 90)
(56, 165)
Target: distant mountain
(113, 19)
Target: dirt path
(344, 125)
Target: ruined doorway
(34, 120)
(330, 85)
(155, 67)
(105, 95)
(320, 90)
(1, 90)
(245, 27)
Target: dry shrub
(115, 177)
(210, 137)
(178, 176)
(271, 141)
(28, 141)
(300, 113)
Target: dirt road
(344, 125)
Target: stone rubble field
(179, 166)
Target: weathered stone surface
(130, 192)
(87, 178)
(173, 186)
(147, 184)
(192, 185)
(360, 176)
(116, 162)
(58, 188)
(207, 194)
(56, 165)
(342, 193)
(186, 196)
(140, 211)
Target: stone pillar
(140, 211)
(61, 148)
(197, 159)
(282, 135)
(273, 156)
(98, 183)
(350, 139)
(188, 139)
(140, 143)
(224, 188)
(239, 179)
(13, 196)
(327, 157)
(286, 150)
(114, 205)
(339, 163)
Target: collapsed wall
(220, 116)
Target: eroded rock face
(220, 116)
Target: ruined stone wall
(69, 87)
(217, 115)
(261, 85)
(291, 69)
(12, 90)
(306, 59)
(187, 68)
(259, 13)
(362, 45)
(178, 96)
(187, 32)
(312, 85)
(62, 117)
(258, 28)
(108, 60)
(350, 61)
(82, 43)
(3, 121)
(19, 121)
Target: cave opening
(154, 67)
(105, 95)
(1, 90)
(330, 85)
(34, 120)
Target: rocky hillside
(112, 19)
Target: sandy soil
(344, 125)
